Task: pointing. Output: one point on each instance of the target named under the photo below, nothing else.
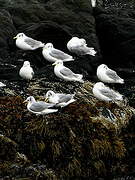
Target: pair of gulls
(26, 72)
(103, 92)
(55, 100)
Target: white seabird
(108, 75)
(26, 43)
(65, 73)
(59, 99)
(104, 93)
(51, 54)
(26, 71)
(78, 46)
(39, 107)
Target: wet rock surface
(88, 138)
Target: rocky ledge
(89, 138)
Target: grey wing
(40, 106)
(65, 97)
(66, 72)
(59, 54)
(32, 42)
(109, 93)
(112, 74)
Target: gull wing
(109, 93)
(32, 42)
(66, 72)
(40, 106)
(59, 54)
(112, 74)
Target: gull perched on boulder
(59, 99)
(108, 75)
(65, 73)
(104, 93)
(51, 54)
(26, 43)
(39, 107)
(26, 71)
(78, 46)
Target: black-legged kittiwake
(65, 73)
(39, 107)
(108, 75)
(104, 93)
(51, 54)
(79, 47)
(26, 71)
(26, 43)
(59, 99)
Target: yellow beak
(24, 102)
(46, 99)
(15, 37)
(54, 64)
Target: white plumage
(108, 75)
(26, 71)
(65, 73)
(78, 46)
(26, 43)
(105, 93)
(51, 54)
(39, 107)
(59, 99)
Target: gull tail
(79, 78)
(68, 59)
(121, 81)
(91, 51)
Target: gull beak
(24, 101)
(15, 37)
(54, 64)
(46, 99)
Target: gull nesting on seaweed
(79, 47)
(65, 73)
(26, 71)
(39, 107)
(51, 54)
(59, 99)
(108, 75)
(105, 93)
(26, 43)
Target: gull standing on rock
(65, 73)
(107, 75)
(51, 54)
(59, 99)
(104, 93)
(26, 43)
(79, 47)
(26, 71)
(39, 107)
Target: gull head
(48, 95)
(19, 35)
(58, 62)
(48, 46)
(30, 99)
(103, 66)
(99, 85)
(26, 63)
